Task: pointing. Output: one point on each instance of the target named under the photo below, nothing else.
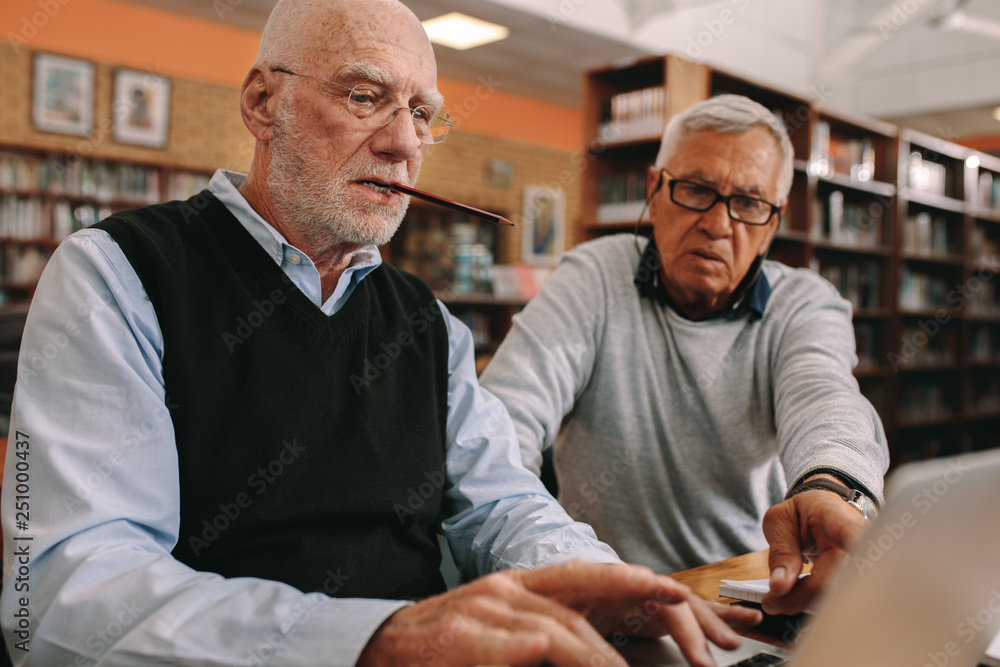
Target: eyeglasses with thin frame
(371, 102)
(698, 197)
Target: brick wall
(206, 132)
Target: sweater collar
(752, 292)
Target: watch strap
(823, 484)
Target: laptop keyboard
(761, 660)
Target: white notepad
(751, 590)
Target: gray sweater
(673, 437)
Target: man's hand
(554, 614)
(817, 525)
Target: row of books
(851, 223)
(185, 184)
(924, 234)
(23, 264)
(478, 321)
(983, 301)
(847, 156)
(620, 196)
(637, 114)
(983, 248)
(985, 392)
(867, 337)
(921, 291)
(38, 218)
(924, 400)
(94, 178)
(985, 343)
(858, 282)
(918, 348)
(926, 176)
(988, 192)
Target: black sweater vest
(310, 448)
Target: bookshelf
(46, 195)
(454, 254)
(905, 225)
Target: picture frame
(141, 109)
(63, 95)
(543, 225)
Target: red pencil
(447, 203)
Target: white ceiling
(885, 58)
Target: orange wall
(139, 37)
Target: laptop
(921, 590)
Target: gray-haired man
(691, 387)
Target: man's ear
(258, 101)
(774, 229)
(654, 181)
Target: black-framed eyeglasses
(701, 198)
(372, 103)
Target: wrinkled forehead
(385, 35)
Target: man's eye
(365, 97)
(748, 204)
(694, 190)
(423, 114)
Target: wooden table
(705, 580)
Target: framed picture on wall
(63, 94)
(141, 108)
(543, 223)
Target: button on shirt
(104, 499)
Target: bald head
(323, 33)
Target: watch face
(868, 508)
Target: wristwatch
(863, 503)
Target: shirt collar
(224, 185)
(754, 290)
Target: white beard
(317, 203)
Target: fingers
(736, 616)
(571, 640)
(781, 528)
(494, 620)
(581, 583)
(800, 598)
(685, 628)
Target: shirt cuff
(335, 632)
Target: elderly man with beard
(209, 486)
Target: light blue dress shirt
(88, 575)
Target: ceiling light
(972, 161)
(463, 32)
